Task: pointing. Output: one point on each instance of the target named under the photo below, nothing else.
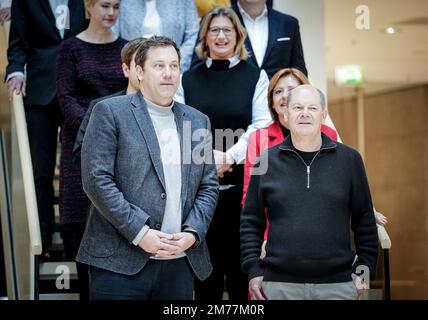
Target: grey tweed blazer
(122, 175)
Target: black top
(307, 156)
(225, 95)
(309, 229)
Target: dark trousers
(42, 125)
(71, 234)
(158, 280)
(223, 242)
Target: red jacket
(265, 138)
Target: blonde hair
(202, 49)
(88, 3)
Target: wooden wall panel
(397, 166)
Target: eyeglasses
(227, 31)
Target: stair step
(51, 270)
(59, 296)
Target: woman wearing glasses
(233, 93)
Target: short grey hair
(320, 93)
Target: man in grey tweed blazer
(148, 169)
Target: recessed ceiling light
(391, 30)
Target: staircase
(58, 278)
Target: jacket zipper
(308, 168)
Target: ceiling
(388, 61)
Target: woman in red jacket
(283, 81)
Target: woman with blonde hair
(88, 67)
(233, 94)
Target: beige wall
(396, 130)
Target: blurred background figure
(33, 46)
(176, 19)
(82, 76)
(233, 93)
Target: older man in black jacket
(313, 190)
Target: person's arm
(77, 148)
(362, 221)
(18, 50)
(190, 35)
(200, 216)
(66, 84)
(253, 225)
(99, 150)
(297, 58)
(261, 118)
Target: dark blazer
(122, 175)
(34, 41)
(284, 48)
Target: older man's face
(304, 112)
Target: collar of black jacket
(327, 143)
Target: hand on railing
(380, 218)
(17, 83)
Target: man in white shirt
(273, 37)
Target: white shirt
(58, 13)
(258, 32)
(260, 118)
(152, 22)
(169, 144)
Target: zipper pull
(308, 172)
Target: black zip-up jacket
(310, 209)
